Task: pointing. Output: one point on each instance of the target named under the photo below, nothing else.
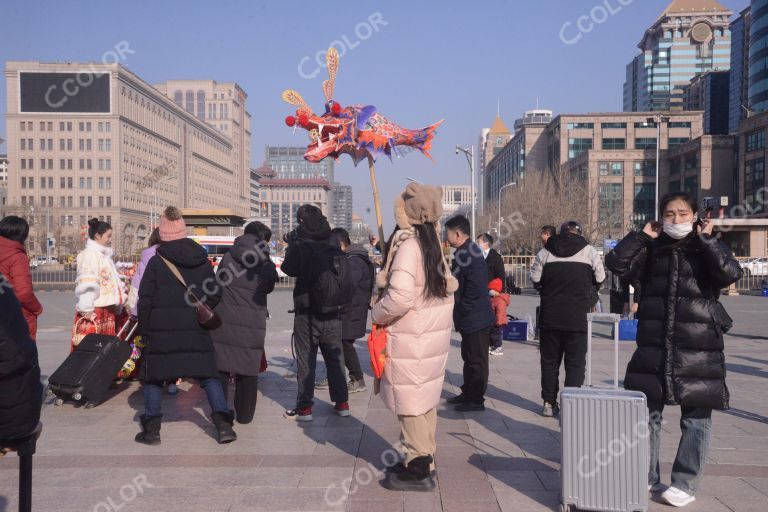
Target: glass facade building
(758, 56)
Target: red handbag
(377, 345)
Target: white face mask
(678, 231)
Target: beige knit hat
(418, 204)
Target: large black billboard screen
(64, 92)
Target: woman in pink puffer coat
(416, 307)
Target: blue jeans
(153, 396)
(696, 428)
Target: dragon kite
(359, 131)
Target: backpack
(331, 287)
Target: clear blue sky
(432, 60)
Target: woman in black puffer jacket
(679, 358)
(21, 393)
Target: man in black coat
(354, 319)
(21, 393)
(566, 271)
(496, 270)
(472, 314)
(310, 245)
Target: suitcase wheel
(90, 405)
(77, 396)
(58, 402)
(566, 508)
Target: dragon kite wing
(332, 63)
(292, 97)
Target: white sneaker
(497, 351)
(676, 497)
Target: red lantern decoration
(336, 108)
(290, 121)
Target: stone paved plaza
(506, 458)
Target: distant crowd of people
(675, 266)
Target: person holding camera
(679, 359)
(322, 291)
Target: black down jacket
(248, 275)
(177, 345)
(21, 394)
(679, 358)
(354, 319)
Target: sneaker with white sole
(498, 351)
(299, 414)
(342, 409)
(677, 497)
(356, 386)
(550, 410)
(321, 384)
(655, 487)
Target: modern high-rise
(525, 150)
(689, 38)
(492, 141)
(341, 207)
(709, 92)
(289, 163)
(738, 92)
(95, 140)
(758, 56)
(223, 106)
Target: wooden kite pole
(376, 203)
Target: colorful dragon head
(357, 130)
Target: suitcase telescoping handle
(130, 327)
(603, 318)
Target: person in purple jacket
(133, 295)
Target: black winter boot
(416, 477)
(224, 422)
(150, 430)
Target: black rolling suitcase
(86, 374)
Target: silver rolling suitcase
(604, 465)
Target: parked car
(33, 264)
(756, 267)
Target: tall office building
(709, 92)
(689, 38)
(492, 141)
(222, 105)
(95, 140)
(738, 93)
(288, 163)
(758, 56)
(341, 207)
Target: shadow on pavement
(746, 415)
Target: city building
(259, 207)
(690, 37)
(615, 153)
(709, 92)
(3, 183)
(738, 102)
(341, 206)
(758, 56)
(283, 196)
(457, 200)
(492, 140)
(223, 106)
(95, 140)
(360, 230)
(747, 225)
(288, 162)
(525, 149)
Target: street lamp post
(470, 154)
(658, 119)
(499, 212)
